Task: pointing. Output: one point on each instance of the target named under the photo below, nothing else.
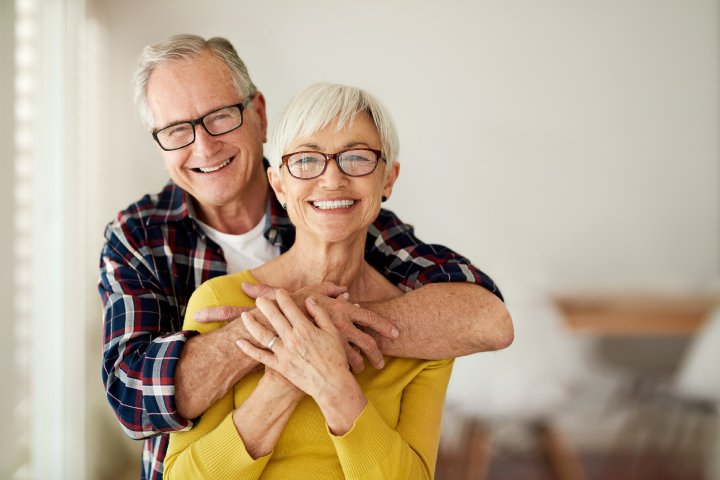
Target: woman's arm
(310, 356)
(229, 442)
(372, 449)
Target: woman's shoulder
(225, 290)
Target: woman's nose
(333, 176)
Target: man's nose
(205, 144)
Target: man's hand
(346, 317)
(228, 314)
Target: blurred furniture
(642, 314)
(527, 384)
(674, 414)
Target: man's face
(216, 170)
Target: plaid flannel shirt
(155, 256)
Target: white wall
(558, 144)
(567, 144)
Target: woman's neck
(311, 261)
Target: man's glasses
(182, 134)
(356, 162)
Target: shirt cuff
(223, 462)
(366, 445)
(159, 368)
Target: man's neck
(240, 216)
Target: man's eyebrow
(178, 122)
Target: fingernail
(239, 344)
(381, 364)
(356, 304)
(312, 300)
(395, 333)
(346, 295)
(244, 316)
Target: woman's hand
(345, 316)
(310, 354)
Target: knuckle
(363, 342)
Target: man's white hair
(183, 47)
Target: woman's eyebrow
(308, 146)
(356, 144)
(318, 148)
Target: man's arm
(148, 382)
(209, 365)
(450, 308)
(141, 341)
(444, 320)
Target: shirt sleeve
(372, 450)
(394, 250)
(141, 340)
(214, 448)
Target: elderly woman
(306, 416)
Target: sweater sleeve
(374, 450)
(214, 448)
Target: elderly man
(217, 215)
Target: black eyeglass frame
(201, 121)
(333, 156)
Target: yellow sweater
(395, 437)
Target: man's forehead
(187, 88)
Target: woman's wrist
(341, 403)
(280, 386)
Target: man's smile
(215, 168)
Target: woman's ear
(390, 178)
(276, 184)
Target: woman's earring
(384, 198)
(284, 205)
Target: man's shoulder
(388, 225)
(148, 213)
(162, 207)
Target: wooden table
(635, 314)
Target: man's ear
(258, 104)
(390, 179)
(276, 184)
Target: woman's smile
(331, 205)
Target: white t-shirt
(245, 251)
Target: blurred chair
(697, 387)
(528, 384)
(677, 418)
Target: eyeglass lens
(216, 123)
(355, 163)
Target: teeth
(332, 204)
(216, 168)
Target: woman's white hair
(183, 47)
(315, 107)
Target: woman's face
(335, 206)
